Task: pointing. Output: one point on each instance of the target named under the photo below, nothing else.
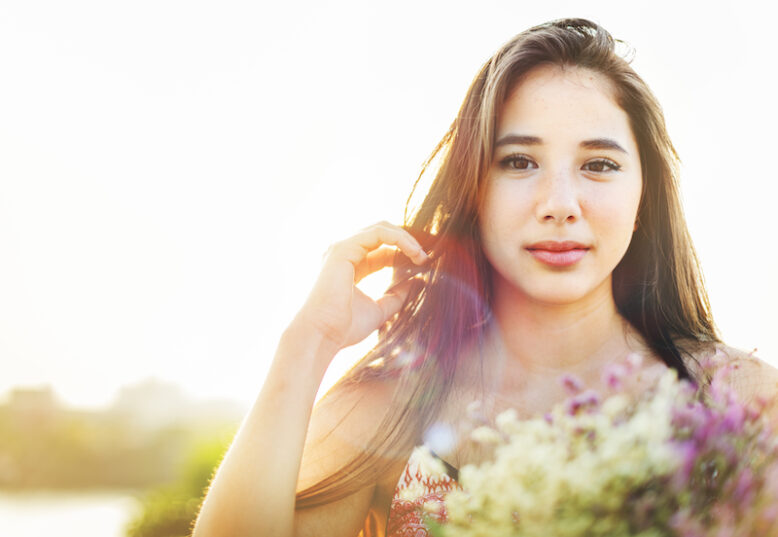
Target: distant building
(151, 404)
(33, 407)
(154, 404)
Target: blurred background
(171, 173)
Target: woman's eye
(517, 162)
(601, 165)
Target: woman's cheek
(619, 222)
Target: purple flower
(687, 452)
(572, 384)
(688, 388)
(720, 390)
(587, 400)
(734, 418)
(613, 375)
(704, 432)
(744, 488)
(688, 417)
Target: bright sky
(172, 171)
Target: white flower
(615, 405)
(507, 421)
(486, 435)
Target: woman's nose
(558, 198)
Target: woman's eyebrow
(594, 143)
(518, 139)
(602, 143)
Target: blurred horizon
(127, 397)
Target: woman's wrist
(302, 339)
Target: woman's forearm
(253, 492)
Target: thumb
(394, 298)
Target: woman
(551, 242)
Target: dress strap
(452, 472)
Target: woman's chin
(559, 294)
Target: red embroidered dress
(419, 492)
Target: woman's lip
(559, 259)
(557, 246)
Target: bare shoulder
(749, 376)
(342, 424)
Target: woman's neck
(527, 348)
(547, 340)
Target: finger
(427, 240)
(374, 261)
(419, 238)
(386, 257)
(357, 247)
(386, 233)
(393, 300)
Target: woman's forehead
(583, 78)
(551, 101)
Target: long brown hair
(657, 286)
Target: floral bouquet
(667, 464)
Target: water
(40, 514)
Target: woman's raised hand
(253, 492)
(336, 308)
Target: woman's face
(565, 168)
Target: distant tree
(170, 511)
